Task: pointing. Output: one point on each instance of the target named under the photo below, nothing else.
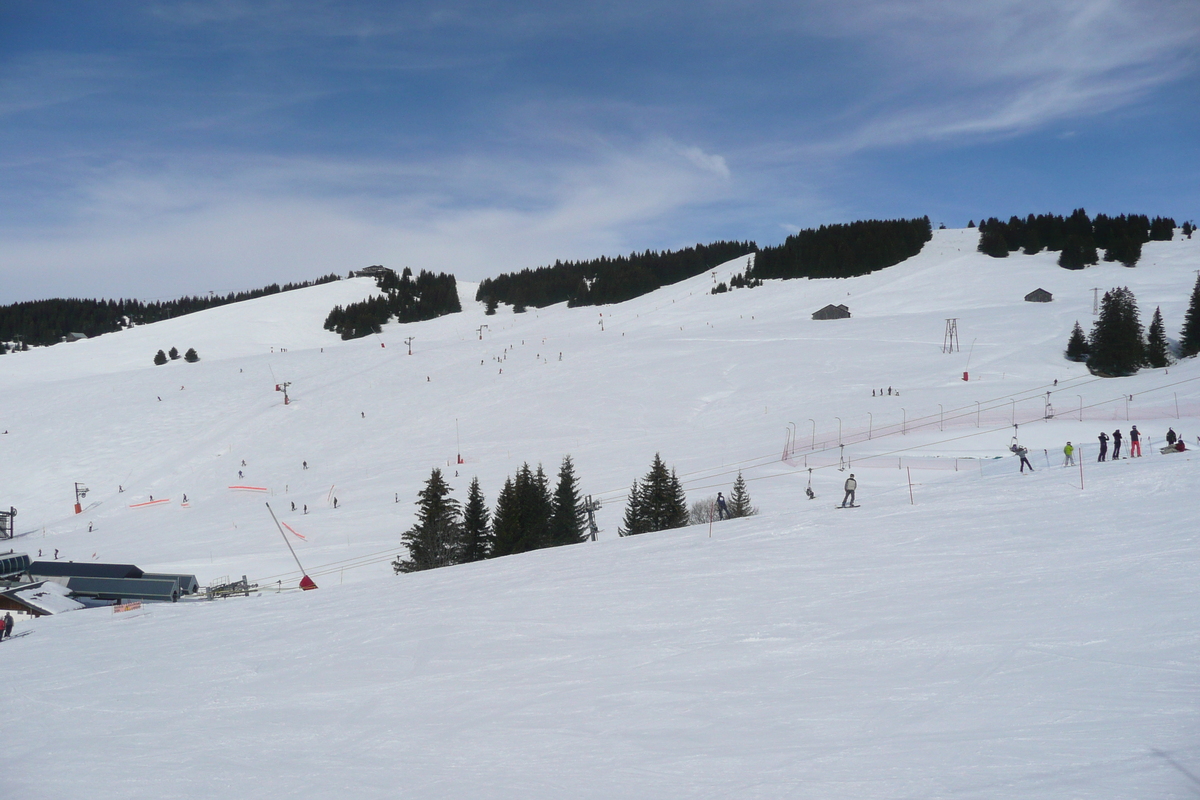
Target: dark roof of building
(1039, 296)
(82, 569)
(832, 312)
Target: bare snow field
(969, 632)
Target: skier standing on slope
(1103, 446)
(1135, 443)
(1069, 455)
(722, 509)
(1171, 437)
(8, 625)
(851, 485)
(1117, 445)
(1022, 453)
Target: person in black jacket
(1103, 446)
(1116, 445)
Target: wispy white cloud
(953, 70)
(227, 225)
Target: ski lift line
(623, 494)
(347, 563)
(708, 474)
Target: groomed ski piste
(968, 632)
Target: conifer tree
(436, 539)
(658, 504)
(522, 519)
(173, 354)
(477, 532)
(160, 358)
(1157, 355)
(190, 356)
(1116, 342)
(1189, 337)
(633, 521)
(1077, 345)
(739, 500)
(992, 242)
(567, 519)
(1078, 252)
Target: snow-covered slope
(977, 633)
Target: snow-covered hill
(975, 633)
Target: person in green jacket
(1069, 453)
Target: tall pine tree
(1077, 345)
(1157, 355)
(658, 504)
(739, 500)
(477, 530)
(436, 539)
(633, 522)
(567, 518)
(1116, 342)
(1189, 337)
(522, 519)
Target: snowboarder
(1171, 436)
(851, 485)
(1135, 443)
(1117, 445)
(722, 509)
(1103, 446)
(8, 625)
(1022, 453)
(1069, 455)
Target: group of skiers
(7, 626)
(1174, 445)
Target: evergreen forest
(605, 280)
(1077, 238)
(404, 298)
(46, 322)
(842, 251)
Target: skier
(1135, 443)
(1117, 445)
(1103, 446)
(293, 505)
(305, 464)
(851, 485)
(1171, 436)
(239, 474)
(8, 625)
(1022, 453)
(722, 509)
(335, 502)
(1069, 453)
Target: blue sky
(157, 149)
